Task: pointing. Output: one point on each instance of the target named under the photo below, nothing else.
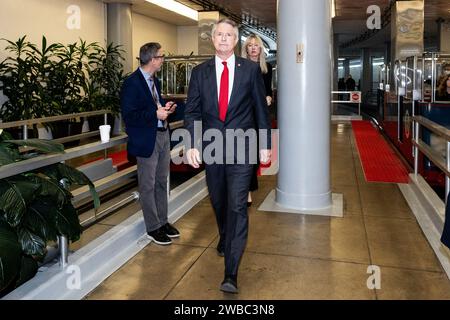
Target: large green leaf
(31, 243)
(15, 195)
(41, 220)
(46, 146)
(8, 155)
(67, 222)
(59, 171)
(50, 187)
(10, 253)
(5, 156)
(4, 135)
(28, 268)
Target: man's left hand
(265, 155)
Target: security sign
(355, 96)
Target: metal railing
(25, 123)
(354, 98)
(176, 73)
(48, 159)
(440, 161)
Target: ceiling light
(176, 7)
(333, 9)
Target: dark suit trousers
(228, 187)
(152, 178)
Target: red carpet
(379, 161)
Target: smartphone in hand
(171, 107)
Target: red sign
(356, 97)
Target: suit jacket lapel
(144, 86)
(211, 79)
(236, 81)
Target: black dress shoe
(229, 284)
(159, 237)
(221, 248)
(249, 203)
(170, 231)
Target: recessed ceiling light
(176, 7)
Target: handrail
(432, 155)
(441, 162)
(433, 126)
(4, 125)
(187, 58)
(168, 96)
(348, 101)
(48, 159)
(84, 135)
(176, 124)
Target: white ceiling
(350, 20)
(156, 12)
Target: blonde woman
(253, 50)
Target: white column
(304, 104)
(120, 31)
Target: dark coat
(247, 108)
(139, 114)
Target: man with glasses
(145, 115)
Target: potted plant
(24, 80)
(35, 208)
(104, 82)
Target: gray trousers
(152, 178)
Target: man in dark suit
(148, 140)
(227, 93)
(350, 83)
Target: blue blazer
(139, 114)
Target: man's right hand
(193, 157)
(162, 114)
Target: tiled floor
(291, 256)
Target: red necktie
(223, 94)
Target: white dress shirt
(231, 61)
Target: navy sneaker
(159, 237)
(170, 231)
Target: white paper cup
(104, 132)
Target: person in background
(253, 50)
(350, 83)
(145, 115)
(443, 88)
(341, 87)
(341, 84)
